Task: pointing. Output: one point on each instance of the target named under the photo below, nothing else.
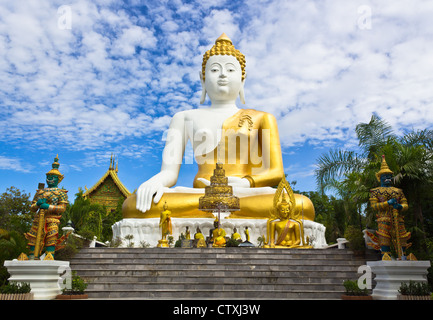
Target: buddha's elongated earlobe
(241, 91)
(203, 89)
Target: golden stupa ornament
(219, 195)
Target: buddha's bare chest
(205, 127)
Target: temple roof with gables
(109, 188)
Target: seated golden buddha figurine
(199, 239)
(218, 236)
(246, 141)
(285, 221)
(236, 235)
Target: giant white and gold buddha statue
(245, 141)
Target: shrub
(414, 289)
(73, 245)
(355, 238)
(78, 285)
(12, 287)
(232, 243)
(352, 289)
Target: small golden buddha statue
(198, 234)
(247, 234)
(187, 234)
(218, 236)
(236, 235)
(199, 239)
(165, 226)
(285, 221)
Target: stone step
(214, 262)
(196, 294)
(217, 268)
(218, 276)
(267, 279)
(202, 286)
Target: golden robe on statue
(241, 151)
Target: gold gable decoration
(109, 189)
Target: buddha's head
(284, 208)
(223, 72)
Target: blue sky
(87, 79)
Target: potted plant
(414, 291)
(16, 291)
(353, 292)
(78, 286)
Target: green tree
(91, 219)
(15, 210)
(12, 244)
(330, 212)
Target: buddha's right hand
(145, 193)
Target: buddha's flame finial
(223, 37)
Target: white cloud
(14, 164)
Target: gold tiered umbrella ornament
(218, 195)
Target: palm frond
(335, 164)
(373, 135)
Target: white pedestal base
(390, 275)
(147, 230)
(43, 276)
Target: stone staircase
(215, 273)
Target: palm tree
(373, 136)
(414, 166)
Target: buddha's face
(223, 78)
(284, 211)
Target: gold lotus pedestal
(163, 243)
